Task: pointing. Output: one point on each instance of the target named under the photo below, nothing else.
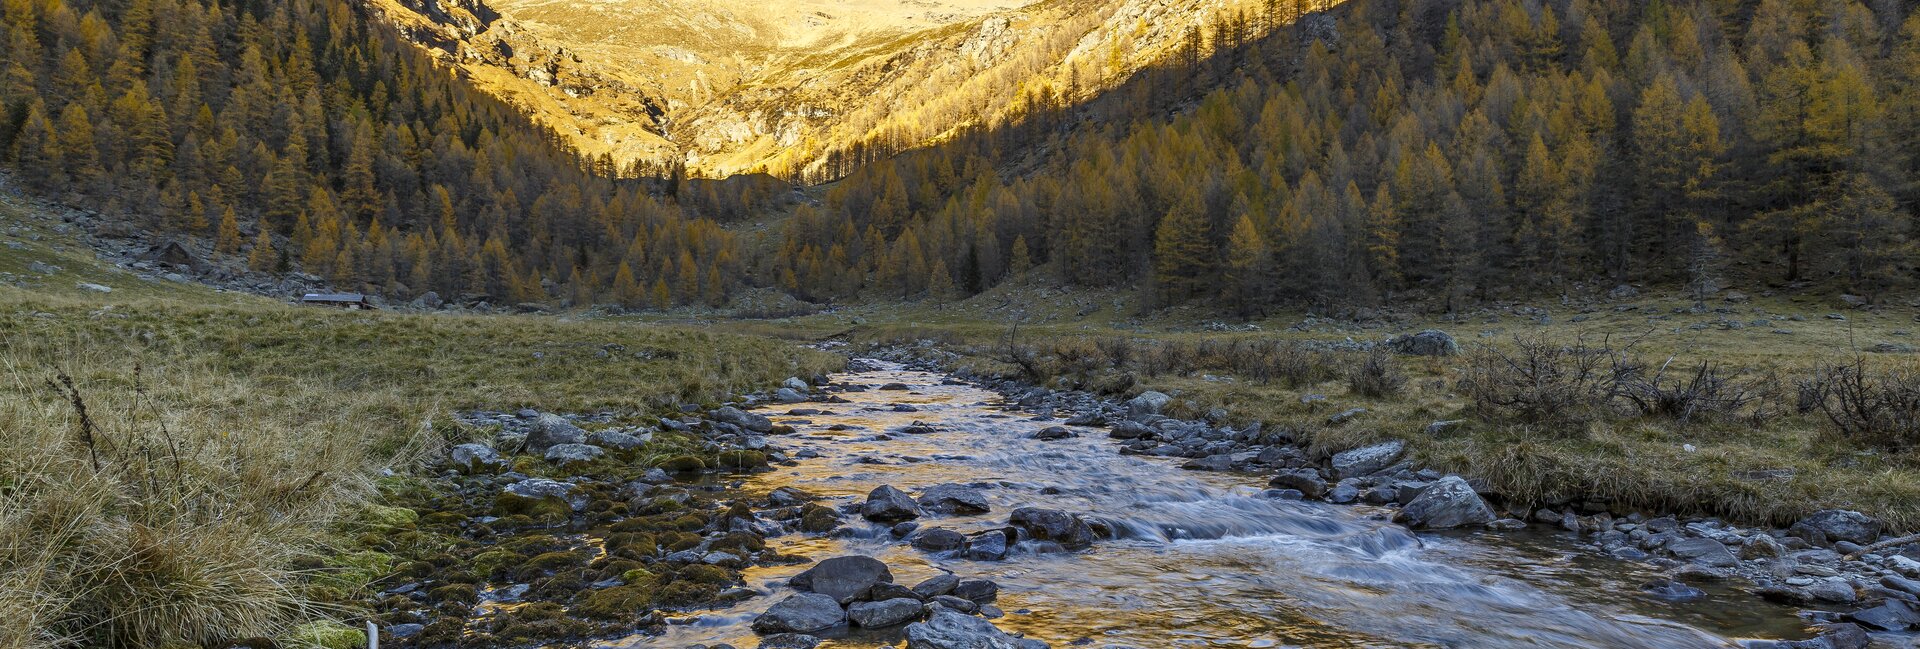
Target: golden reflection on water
(1252, 573)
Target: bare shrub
(1705, 390)
(1880, 409)
(1118, 351)
(1291, 363)
(1170, 358)
(1377, 375)
(1541, 381)
(1022, 356)
(1073, 358)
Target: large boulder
(1432, 342)
(550, 430)
(952, 498)
(887, 504)
(743, 419)
(953, 630)
(873, 615)
(1895, 615)
(801, 613)
(1839, 525)
(1148, 403)
(1053, 525)
(845, 579)
(1447, 503)
(1367, 460)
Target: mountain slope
(727, 86)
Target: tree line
(304, 135)
(1456, 151)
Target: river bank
(1093, 544)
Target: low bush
(1377, 375)
(1540, 381)
(1875, 408)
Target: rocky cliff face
(735, 86)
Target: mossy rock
(683, 464)
(536, 623)
(553, 562)
(640, 577)
(496, 561)
(324, 635)
(690, 522)
(741, 459)
(549, 509)
(632, 544)
(351, 571)
(459, 593)
(677, 541)
(701, 573)
(819, 519)
(687, 593)
(741, 543)
(387, 519)
(444, 519)
(617, 603)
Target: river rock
(1705, 551)
(979, 591)
(844, 579)
(1673, 591)
(1148, 403)
(990, 545)
(1894, 615)
(551, 430)
(475, 457)
(566, 454)
(782, 641)
(743, 419)
(541, 489)
(953, 630)
(949, 498)
(1838, 590)
(888, 504)
(1306, 481)
(939, 540)
(1367, 460)
(1839, 525)
(1053, 525)
(1447, 503)
(1130, 429)
(874, 615)
(936, 586)
(1432, 342)
(1054, 432)
(789, 395)
(801, 613)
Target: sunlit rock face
(739, 86)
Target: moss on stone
(741, 459)
(617, 603)
(683, 464)
(324, 634)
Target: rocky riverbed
(894, 506)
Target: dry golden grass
(221, 445)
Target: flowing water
(1204, 559)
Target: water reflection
(1203, 559)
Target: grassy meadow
(1761, 457)
(177, 462)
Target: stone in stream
(789, 395)
(939, 540)
(979, 591)
(1894, 615)
(743, 419)
(954, 630)
(887, 504)
(952, 498)
(1838, 525)
(1130, 429)
(1054, 432)
(783, 641)
(801, 613)
(1367, 460)
(1053, 525)
(551, 430)
(844, 579)
(990, 545)
(936, 586)
(1673, 591)
(1705, 551)
(1447, 503)
(1306, 481)
(795, 383)
(883, 613)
